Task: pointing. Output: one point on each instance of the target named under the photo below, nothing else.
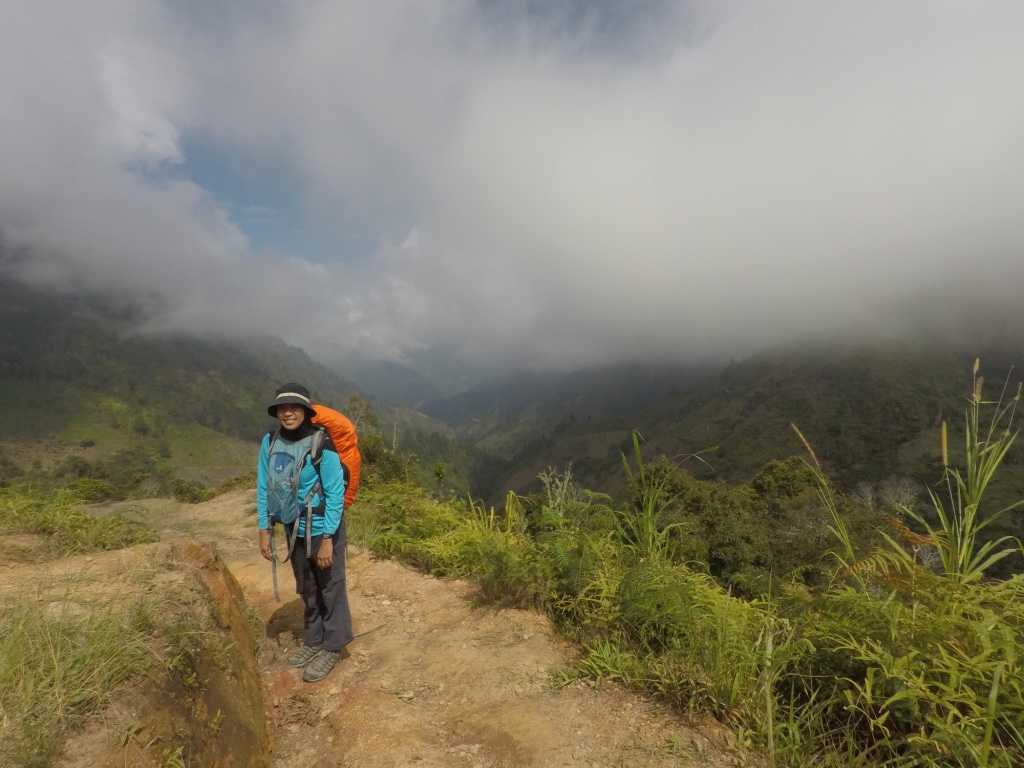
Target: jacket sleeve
(262, 470)
(332, 477)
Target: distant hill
(872, 412)
(391, 384)
(75, 372)
(519, 425)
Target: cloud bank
(548, 184)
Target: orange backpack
(346, 443)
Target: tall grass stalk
(962, 517)
(769, 697)
(846, 554)
(990, 716)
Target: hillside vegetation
(87, 399)
(826, 630)
(61, 355)
(873, 410)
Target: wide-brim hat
(291, 394)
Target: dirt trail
(433, 679)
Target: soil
(210, 710)
(433, 678)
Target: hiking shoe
(320, 666)
(303, 656)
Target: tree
(361, 411)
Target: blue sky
(266, 199)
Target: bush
(130, 472)
(383, 464)
(240, 482)
(76, 466)
(190, 491)
(92, 490)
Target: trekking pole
(273, 563)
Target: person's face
(291, 416)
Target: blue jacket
(332, 478)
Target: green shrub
(244, 481)
(67, 528)
(76, 466)
(92, 490)
(583, 596)
(495, 551)
(688, 638)
(936, 677)
(745, 535)
(130, 472)
(190, 491)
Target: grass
(55, 669)
(201, 454)
(68, 530)
(63, 660)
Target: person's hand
(265, 544)
(325, 554)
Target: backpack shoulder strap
(316, 447)
(316, 452)
(273, 435)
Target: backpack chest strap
(314, 453)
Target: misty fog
(559, 184)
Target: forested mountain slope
(59, 349)
(74, 372)
(872, 411)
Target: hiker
(300, 482)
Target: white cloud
(718, 176)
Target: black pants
(327, 619)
